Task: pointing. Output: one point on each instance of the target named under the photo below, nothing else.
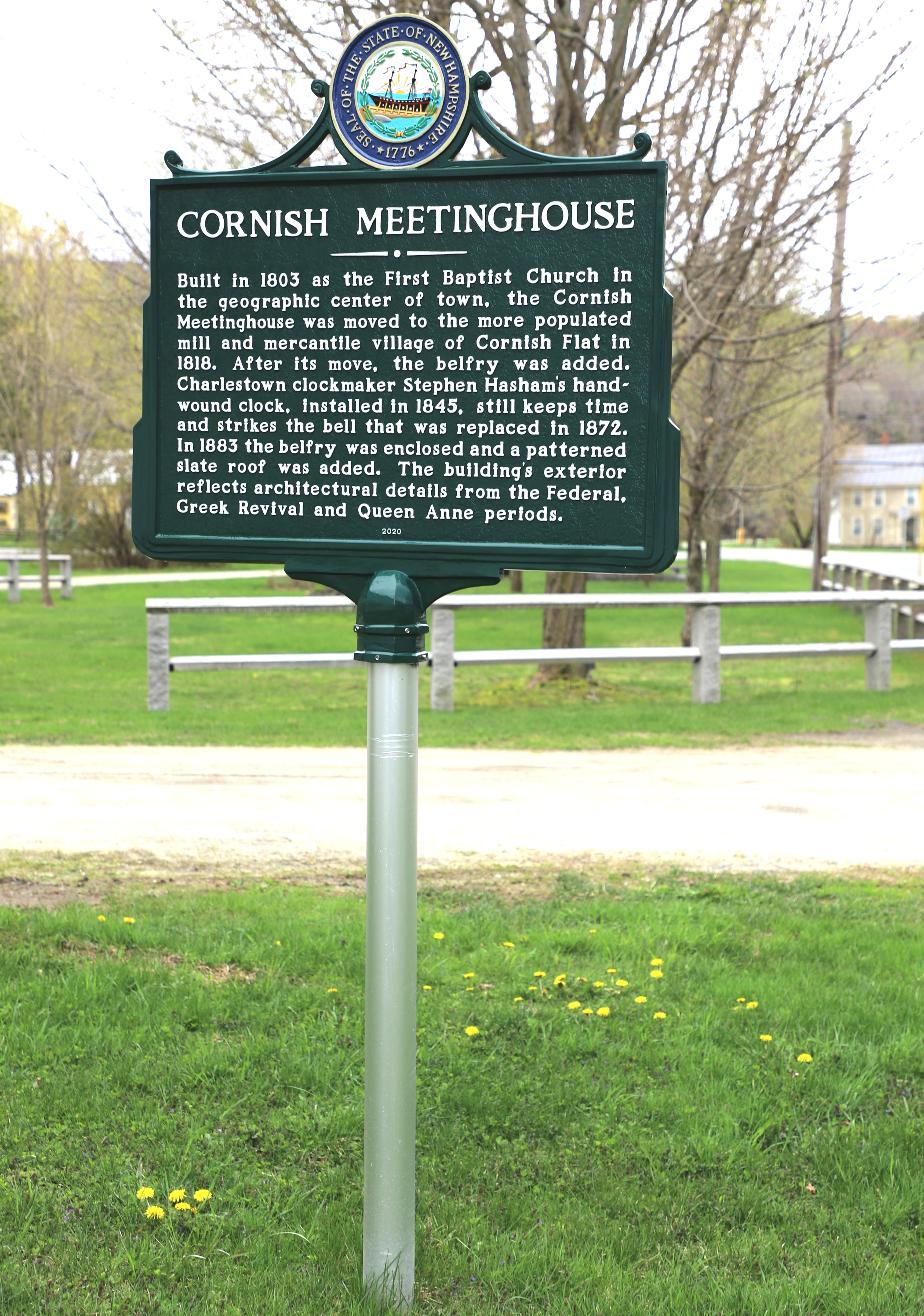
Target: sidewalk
(797, 807)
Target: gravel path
(801, 807)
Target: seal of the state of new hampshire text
(400, 92)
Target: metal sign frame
(321, 558)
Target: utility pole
(832, 368)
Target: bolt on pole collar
(390, 621)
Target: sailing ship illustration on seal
(398, 99)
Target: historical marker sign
(463, 367)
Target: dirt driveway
(813, 806)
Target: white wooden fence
(706, 653)
(14, 577)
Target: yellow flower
(176, 1194)
(656, 973)
(517, 998)
(508, 944)
(202, 1194)
(128, 919)
(144, 1193)
(604, 1012)
(598, 983)
(766, 1037)
(540, 973)
(155, 1213)
(468, 975)
(656, 961)
(612, 970)
(472, 1031)
(470, 989)
(426, 987)
(559, 980)
(439, 936)
(591, 931)
(101, 918)
(587, 1010)
(660, 1014)
(804, 1058)
(574, 1005)
(641, 1000)
(277, 942)
(622, 982)
(183, 1206)
(534, 988)
(331, 989)
(741, 999)
(751, 1005)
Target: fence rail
(15, 578)
(705, 653)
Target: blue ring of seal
(414, 31)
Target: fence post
(12, 579)
(442, 659)
(706, 635)
(158, 662)
(877, 625)
(67, 578)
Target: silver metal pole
(391, 983)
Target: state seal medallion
(399, 94)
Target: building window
(857, 527)
(911, 497)
(878, 497)
(877, 527)
(857, 498)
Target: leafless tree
(743, 99)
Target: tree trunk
(45, 585)
(563, 628)
(20, 486)
(695, 560)
(713, 558)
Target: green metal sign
(444, 371)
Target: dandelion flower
(641, 1000)
(587, 1010)
(656, 973)
(612, 970)
(277, 942)
(508, 944)
(622, 982)
(128, 919)
(741, 999)
(660, 1014)
(426, 987)
(470, 989)
(203, 1194)
(101, 918)
(155, 1213)
(598, 983)
(574, 1005)
(144, 1193)
(656, 961)
(604, 1012)
(517, 998)
(439, 936)
(592, 931)
(766, 1037)
(540, 973)
(533, 988)
(176, 1195)
(804, 1058)
(751, 1005)
(182, 1206)
(472, 1031)
(331, 989)
(468, 975)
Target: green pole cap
(390, 620)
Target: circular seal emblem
(399, 93)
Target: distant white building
(878, 491)
(8, 512)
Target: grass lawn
(76, 673)
(568, 1163)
